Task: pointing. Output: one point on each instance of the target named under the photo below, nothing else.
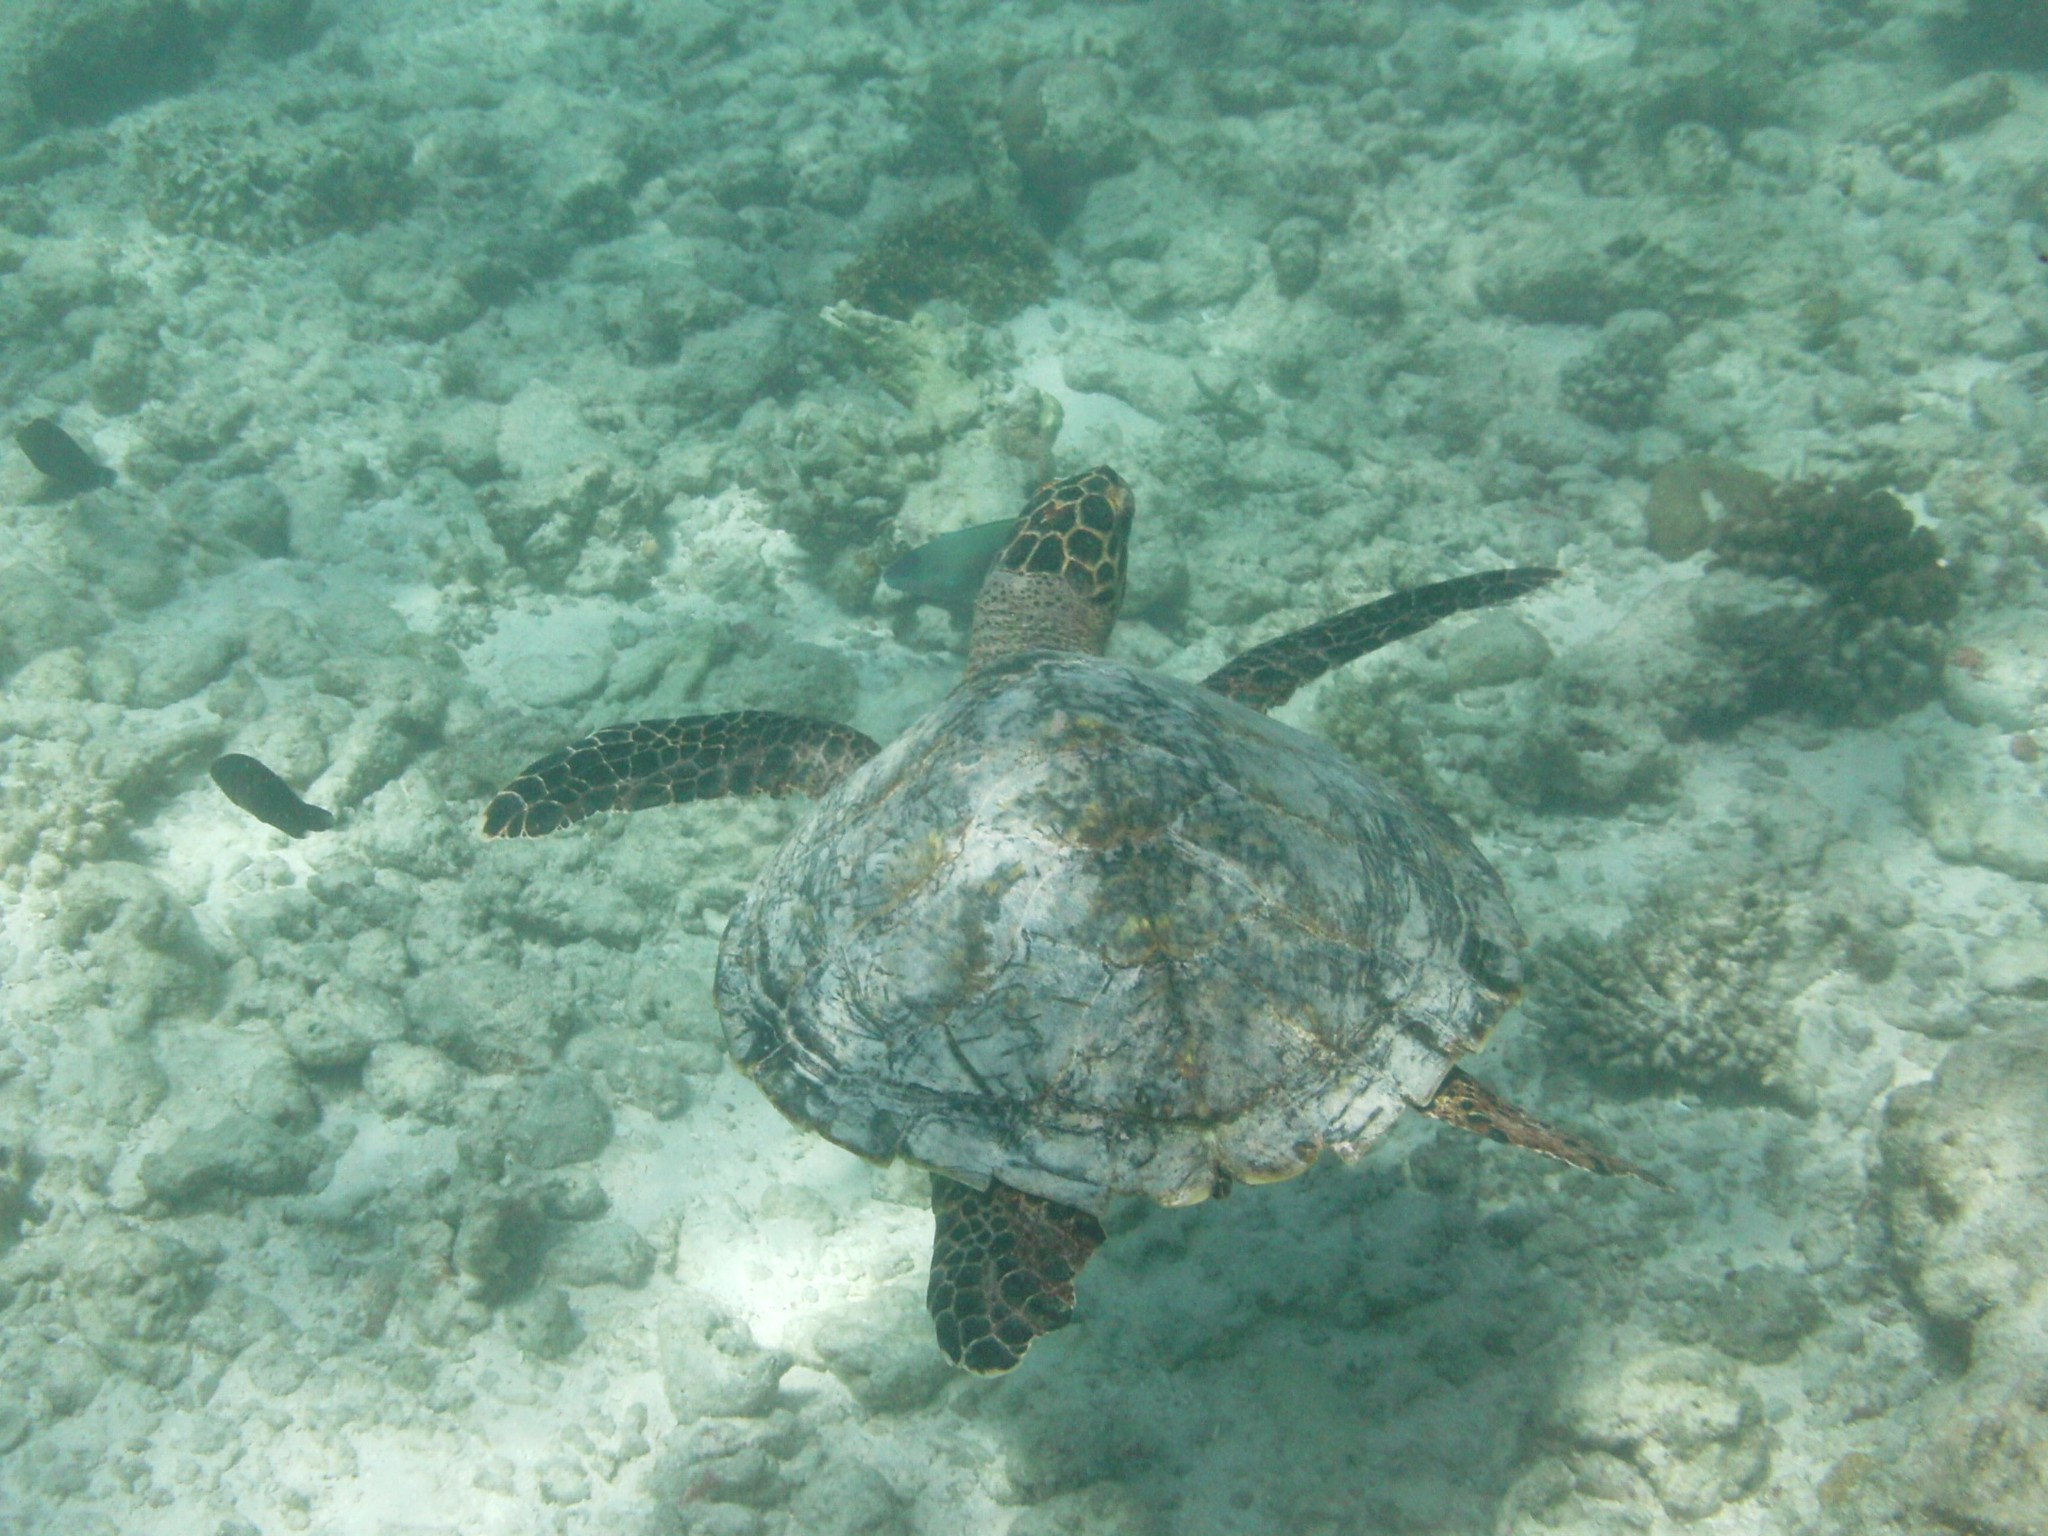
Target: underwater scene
(709, 711)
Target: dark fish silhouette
(947, 571)
(56, 453)
(265, 796)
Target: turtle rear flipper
(1003, 1269)
(665, 762)
(1267, 676)
(1467, 1104)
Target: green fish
(947, 571)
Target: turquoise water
(475, 375)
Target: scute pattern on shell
(1090, 931)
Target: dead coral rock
(1598, 757)
(1295, 248)
(1978, 803)
(85, 61)
(710, 1365)
(1598, 731)
(147, 959)
(1585, 269)
(1689, 496)
(1997, 671)
(1679, 1419)
(1912, 144)
(1064, 124)
(488, 1017)
(881, 1351)
(1984, 1467)
(500, 1240)
(17, 1174)
(128, 1293)
(1760, 1313)
(1618, 380)
(237, 1153)
(37, 615)
(1964, 1155)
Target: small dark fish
(947, 571)
(265, 796)
(56, 453)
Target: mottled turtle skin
(1085, 931)
(1091, 931)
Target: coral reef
(1690, 993)
(965, 249)
(272, 180)
(467, 388)
(1784, 648)
(1819, 600)
(1859, 544)
(1617, 382)
(1871, 644)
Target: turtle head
(1060, 579)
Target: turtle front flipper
(1003, 1269)
(1470, 1106)
(1268, 675)
(664, 762)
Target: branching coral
(1870, 645)
(1689, 993)
(1859, 545)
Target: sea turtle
(1085, 931)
